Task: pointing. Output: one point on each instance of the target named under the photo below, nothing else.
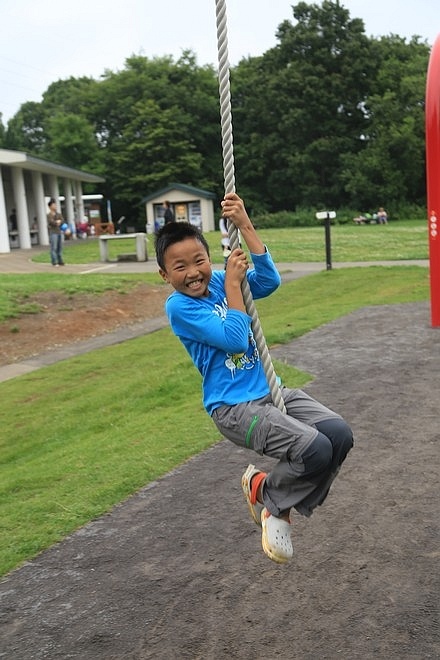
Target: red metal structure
(432, 109)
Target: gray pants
(310, 443)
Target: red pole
(432, 118)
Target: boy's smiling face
(187, 268)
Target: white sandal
(275, 539)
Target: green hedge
(307, 217)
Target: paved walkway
(20, 261)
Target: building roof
(27, 162)
(197, 192)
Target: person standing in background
(226, 248)
(54, 222)
(169, 214)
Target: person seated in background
(82, 228)
(359, 220)
(382, 217)
(13, 220)
(226, 248)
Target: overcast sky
(45, 41)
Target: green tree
(153, 150)
(331, 117)
(31, 128)
(154, 122)
(305, 113)
(389, 169)
(71, 141)
(158, 122)
(25, 130)
(72, 96)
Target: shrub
(298, 218)
(306, 217)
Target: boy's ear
(163, 275)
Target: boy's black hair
(174, 232)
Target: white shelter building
(189, 204)
(25, 183)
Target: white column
(79, 200)
(54, 191)
(70, 215)
(40, 205)
(4, 233)
(23, 223)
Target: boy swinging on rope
(207, 312)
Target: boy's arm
(233, 208)
(53, 220)
(235, 272)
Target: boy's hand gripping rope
(229, 179)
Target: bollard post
(327, 216)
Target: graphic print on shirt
(236, 361)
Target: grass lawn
(399, 240)
(82, 435)
(16, 290)
(394, 241)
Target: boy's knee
(342, 437)
(318, 456)
(339, 434)
(346, 439)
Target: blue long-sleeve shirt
(220, 340)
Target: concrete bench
(139, 238)
(14, 238)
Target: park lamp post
(327, 216)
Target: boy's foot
(275, 539)
(250, 487)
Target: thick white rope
(229, 179)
